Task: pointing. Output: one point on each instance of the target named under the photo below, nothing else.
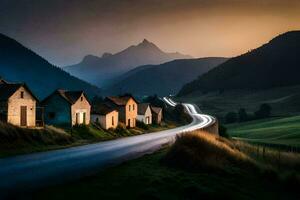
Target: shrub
(243, 116)
(122, 130)
(82, 132)
(263, 112)
(142, 125)
(231, 117)
(223, 131)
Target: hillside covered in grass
(197, 166)
(280, 131)
(283, 100)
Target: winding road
(40, 169)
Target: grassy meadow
(283, 100)
(197, 166)
(281, 131)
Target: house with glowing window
(67, 108)
(127, 106)
(106, 116)
(144, 113)
(17, 104)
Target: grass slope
(15, 140)
(284, 131)
(158, 177)
(284, 100)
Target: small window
(112, 121)
(51, 115)
(81, 98)
(133, 107)
(22, 95)
(129, 107)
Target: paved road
(39, 169)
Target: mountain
(99, 71)
(20, 64)
(163, 79)
(274, 64)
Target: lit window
(22, 95)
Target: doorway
(23, 116)
(129, 123)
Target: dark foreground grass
(220, 169)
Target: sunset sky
(65, 31)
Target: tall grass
(201, 150)
(13, 138)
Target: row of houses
(19, 106)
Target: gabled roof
(120, 100)
(70, 96)
(102, 109)
(2, 81)
(156, 110)
(142, 108)
(8, 89)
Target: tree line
(263, 112)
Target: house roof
(2, 81)
(8, 89)
(102, 109)
(142, 108)
(70, 96)
(121, 100)
(156, 110)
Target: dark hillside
(20, 64)
(274, 64)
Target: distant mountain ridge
(100, 70)
(274, 64)
(20, 64)
(163, 79)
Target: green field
(284, 101)
(284, 131)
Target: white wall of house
(110, 120)
(15, 102)
(81, 111)
(146, 118)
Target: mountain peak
(145, 41)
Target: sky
(64, 31)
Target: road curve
(39, 169)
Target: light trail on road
(32, 171)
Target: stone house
(105, 115)
(127, 107)
(157, 114)
(17, 104)
(144, 113)
(66, 108)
